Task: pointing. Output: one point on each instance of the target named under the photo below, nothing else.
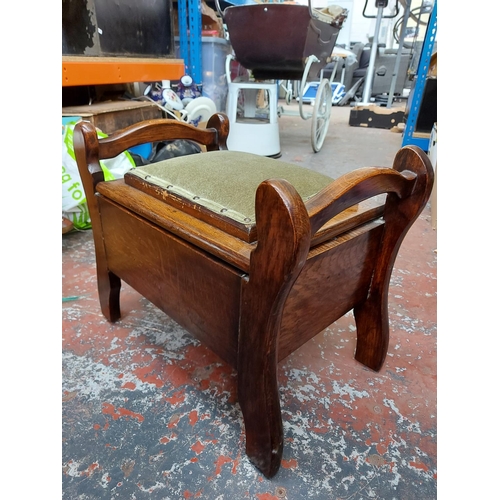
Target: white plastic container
(214, 52)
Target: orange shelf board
(111, 70)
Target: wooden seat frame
(255, 303)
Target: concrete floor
(148, 412)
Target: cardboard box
(375, 116)
(111, 116)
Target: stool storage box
(251, 255)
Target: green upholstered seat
(220, 186)
(223, 182)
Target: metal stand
(190, 38)
(406, 15)
(368, 80)
(367, 90)
(409, 136)
(366, 113)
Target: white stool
(255, 128)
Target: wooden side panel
(199, 292)
(334, 279)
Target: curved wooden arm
(214, 136)
(354, 187)
(86, 146)
(283, 243)
(89, 149)
(399, 215)
(220, 123)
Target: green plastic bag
(74, 203)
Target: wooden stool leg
(109, 285)
(283, 242)
(372, 318)
(372, 325)
(87, 157)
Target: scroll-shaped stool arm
(214, 137)
(408, 186)
(87, 154)
(400, 213)
(353, 188)
(283, 235)
(89, 149)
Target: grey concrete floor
(345, 147)
(148, 412)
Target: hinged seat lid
(219, 187)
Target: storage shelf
(410, 134)
(82, 70)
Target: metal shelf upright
(190, 38)
(410, 136)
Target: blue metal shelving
(190, 38)
(409, 137)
